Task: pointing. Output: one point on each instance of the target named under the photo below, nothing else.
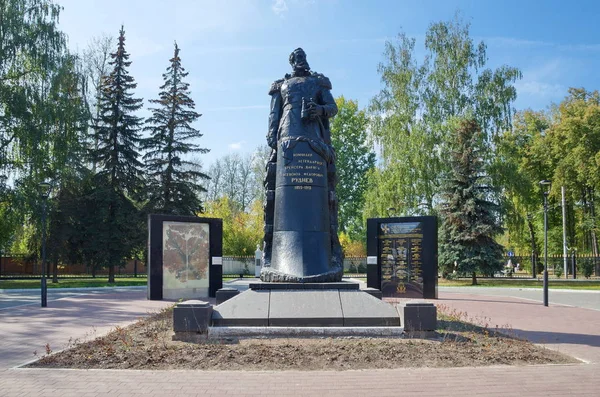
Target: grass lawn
(74, 283)
(523, 283)
(142, 281)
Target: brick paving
(571, 330)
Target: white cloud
(542, 81)
(279, 7)
(514, 42)
(540, 89)
(236, 145)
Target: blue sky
(234, 49)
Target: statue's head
(298, 61)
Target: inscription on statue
(305, 169)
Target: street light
(45, 188)
(391, 211)
(546, 186)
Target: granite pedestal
(340, 304)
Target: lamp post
(45, 188)
(546, 186)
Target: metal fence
(244, 266)
(578, 266)
(21, 266)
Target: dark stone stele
(402, 256)
(155, 252)
(300, 241)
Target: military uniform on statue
(301, 243)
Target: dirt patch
(147, 344)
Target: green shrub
(586, 267)
(558, 271)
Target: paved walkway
(572, 330)
(570, 297)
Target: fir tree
(120, 173)
(174, 183)
(470, 220)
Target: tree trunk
(474, 279)
(55, 271)
(111, 273)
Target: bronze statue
(301, 242)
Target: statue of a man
(301, 242)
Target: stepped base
(336, 306)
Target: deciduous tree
(410, 113)
(354, 158)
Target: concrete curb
(134, 287)
(303, 332)
(448, 288)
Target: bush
(558, 271)
(586, 267)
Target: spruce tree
(470, 220)
(174, 183)
(120, 172)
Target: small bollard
(257, 261)
(192, 316)
(418, 316)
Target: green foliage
(573, 145)
(173, 186)
(31, 47)
(586, 267)
(120, 176)
(521, 162)
(354, 158)
(470, 220)
(242, 231)
(118, 130)
(558, 271)
(417, 99)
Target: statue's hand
(314, 110)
